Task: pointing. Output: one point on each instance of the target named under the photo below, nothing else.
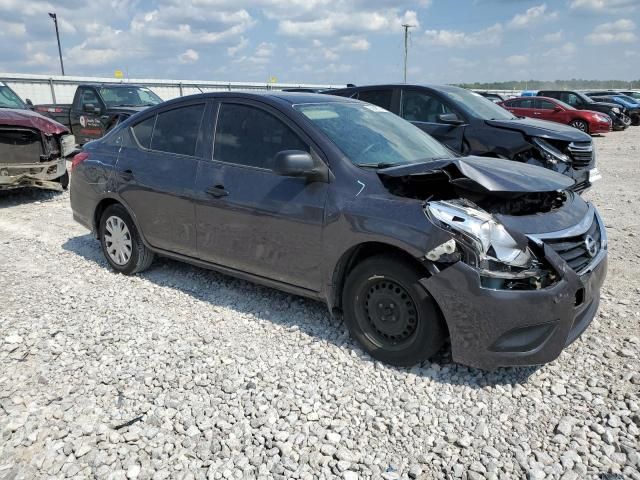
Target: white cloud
(517, 60)
(188, 56)
(12, 29)
(553, 37)
(457, 39)
(241, 45)
(532, 16)
(603, 5)
(621, 31)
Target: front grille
(575, 250)
(581, 154)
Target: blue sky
(326, 41)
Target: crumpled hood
(486, 175)
(30, 119)
(543, 129)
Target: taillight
(78, 159)
(49, 109)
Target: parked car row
(410, 239)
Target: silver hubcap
(117, 239)
(579, 126)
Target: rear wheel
(580, 125)
(121, 243)
(390, 314)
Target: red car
(554, 110)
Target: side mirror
(557, 109)
(297, 163)
(29, 102)
(450, 119)
(91, 108)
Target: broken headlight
(550, 153)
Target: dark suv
(470, 124)
(344, 202)
(579, 100)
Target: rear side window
(545, 105)
(249, 136)
(381, 98)
(144, 130)
(177, 130)
(521, 103)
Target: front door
(87, 115)
(423, 110)
(249, 218)
(156, 174)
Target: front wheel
(580, 125)
(121, 244)
(64, 180)
(390, 314)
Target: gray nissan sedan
(345, 202)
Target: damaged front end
(519, 278)
(31, 158)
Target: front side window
(370, 136)
(422, 107)
(8, 99)
(381, 98)
(250, 136)
(177, 130)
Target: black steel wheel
(390, 314)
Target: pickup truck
(97, 108)
(33, 148)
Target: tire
(390, 314)
(580, 125)
(64, 180)
(635, 120)
(119, 237)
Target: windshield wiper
(376, 165)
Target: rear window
(177, 130)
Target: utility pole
(55, 21)
(406, 27)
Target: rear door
(249, 218)
(521, 107)
(156, 174)
(423, 108)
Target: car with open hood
(344, 202)
(470, 124)
(630, 105)
(33, 148)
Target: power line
(406, 27)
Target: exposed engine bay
(29, 157)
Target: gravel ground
(184, 373)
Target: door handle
(217, 191)
(126, 175)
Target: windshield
(129, 97)
(371, 136)
(584, 97)
(8, 99)
(480, 106)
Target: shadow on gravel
(20, 196)
(228, 292)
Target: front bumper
(41, 174)
(493, 328)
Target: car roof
(450, 88)
(112, 85)
(272, 96)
